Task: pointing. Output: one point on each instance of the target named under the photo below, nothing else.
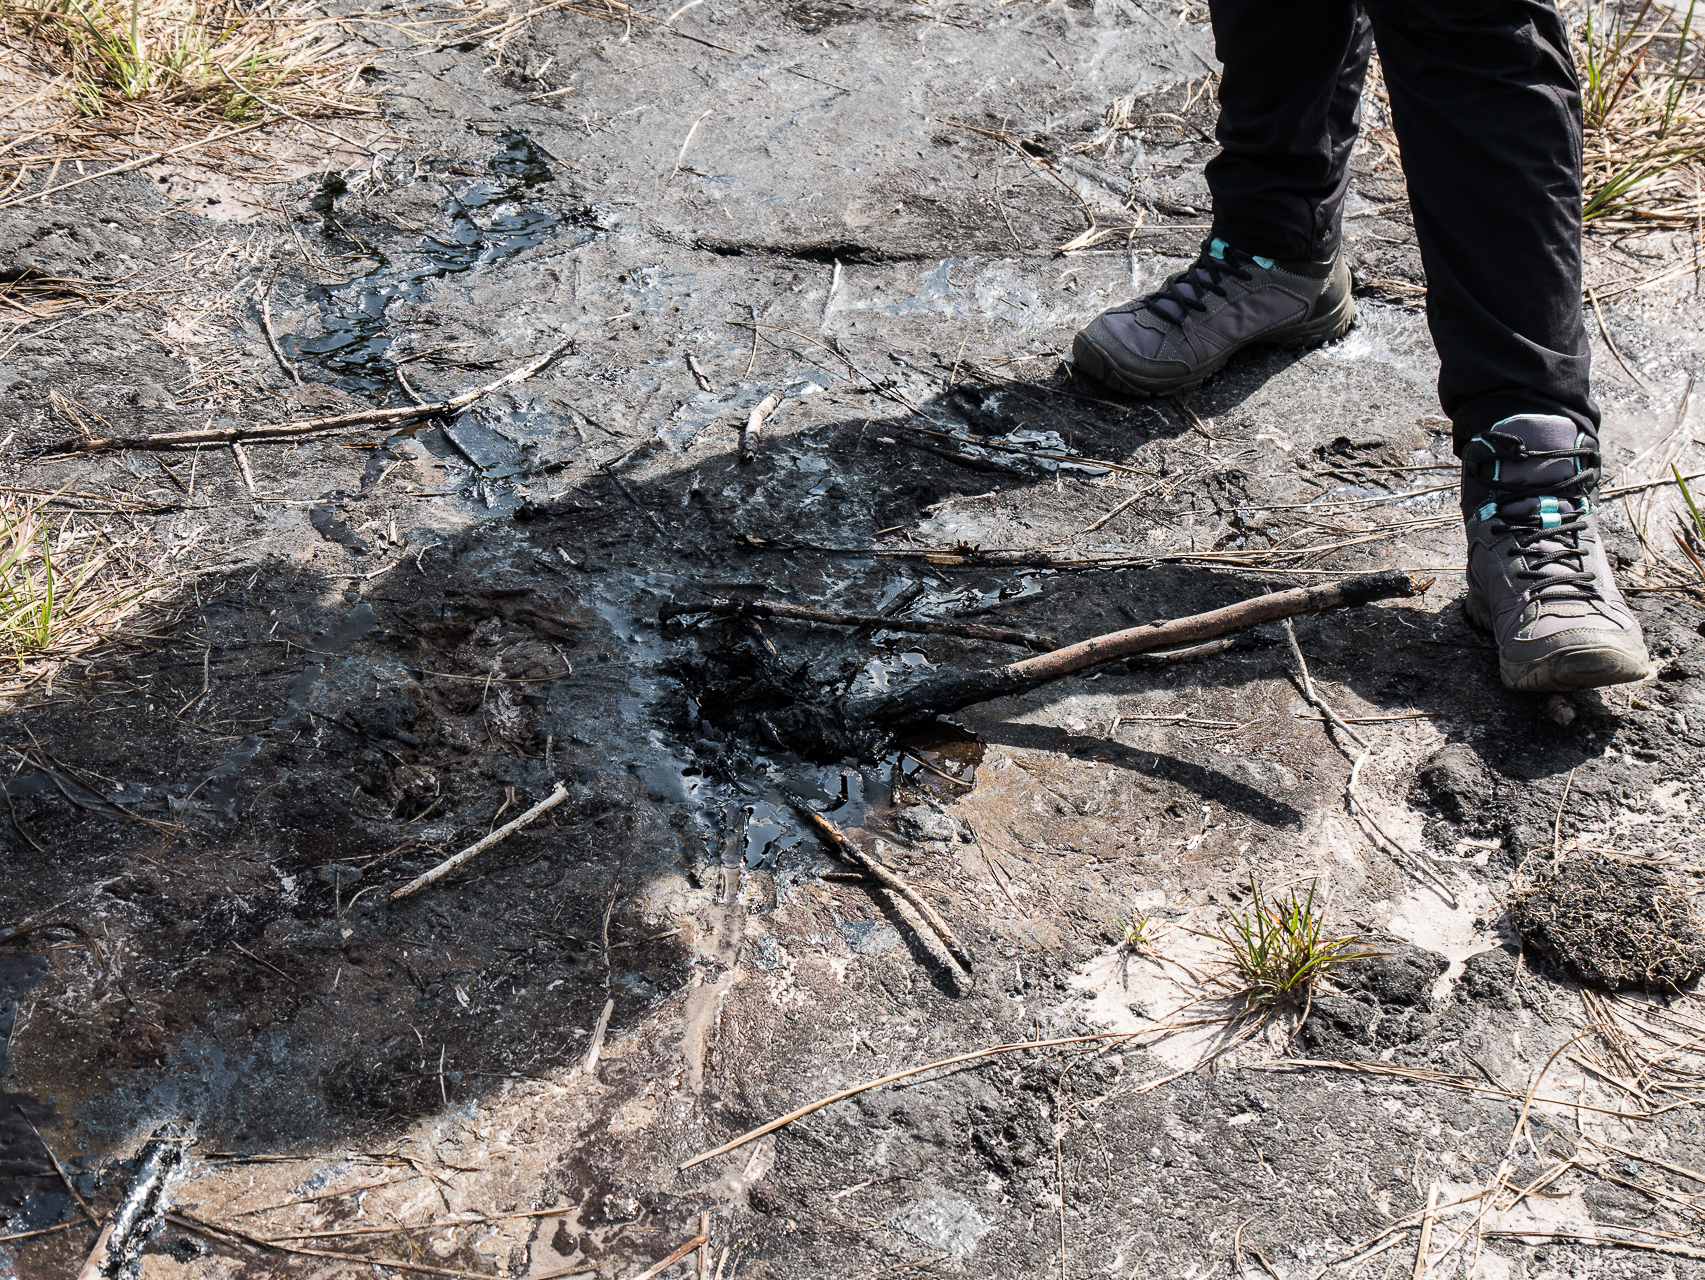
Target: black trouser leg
(1290, 107)
(1487, 111)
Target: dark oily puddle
(490, 221)
(294, 1007)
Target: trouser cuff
(1487, 411)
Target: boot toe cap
(1584, 658)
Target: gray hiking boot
(1178, 337)
(1537, 576)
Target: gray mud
(398, 641)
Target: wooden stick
(831, 1099)
(243, 466)
(474, 850)
(63, 1176)
(213, 1229)
(1374, 1252)
(310, 426)
(1598, 1242)
(702, 1237)
(843, 844)
(41, 1231)
(272, 339)
(779, 609)
(755, 424)
(1225, 644)
(1315, 700)
(597, 1046)
(950, 692)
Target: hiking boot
(1537, 576)
(1183, 334)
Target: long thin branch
(844, 845)
(703, 1237)
(1376, 834)
(1314, 699)
(272, 338)
(780, 609)
(311, 426)
(961, 689)
(832, 1098)
(474, 850)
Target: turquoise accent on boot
(1548, 517)
(1217, 248)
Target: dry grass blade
(32, 294)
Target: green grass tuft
(1278, 948)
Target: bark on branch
(949, 693)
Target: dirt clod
(1454, 784)
(1613, 926)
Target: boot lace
(1576, 582)
(1207, 275)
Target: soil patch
(1613, 926)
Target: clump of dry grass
(38, 296)
(65, 588)
(183, 55)
(1643, 108)
(135, 79)
(1643, 104)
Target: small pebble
(1560, 710)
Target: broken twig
(311, 426)
(597, 1046)
(699, 375)
(844, 845)
(474, 850)
(658, 1268)
(755, 424)
(272, 338)
(779, 609)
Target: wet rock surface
(397, 641)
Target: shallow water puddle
(355, 343)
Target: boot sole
(1094, 363)
(1565, 670)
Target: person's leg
(1486, 108)
(1271, 272)
(1290, 108)
(1487, 112)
